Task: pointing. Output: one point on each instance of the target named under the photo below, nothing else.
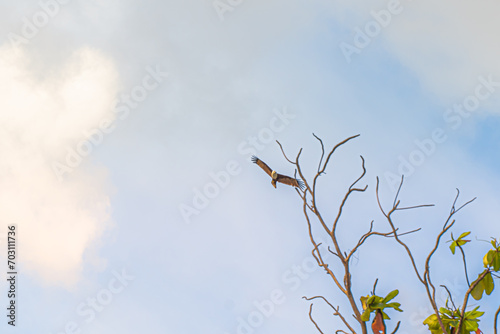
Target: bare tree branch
(465, 264)
(336, 313)
(425, 279)
(388, 216)
(449, 294)
(314, 322)
(496, 320)
(333, 150)
(326, 301)
(466, 298)
(282, 151)
(310, 209)
(316, 252)
(397, 327)
(344, 286)
(349, 192)
(322, 151)
(399, 189)
(370, 233)
(374, 286)
(415, 207)
(447, 225)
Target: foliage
(451, 320)
(459, 242)
(492, 258)
(374, 303)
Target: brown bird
(275, 177)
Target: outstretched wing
(291, 181)
(262, 165)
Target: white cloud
(446, 44)
(41, 114)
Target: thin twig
(349, 192)
(465, 264)
(314, 322)
(346, 285)
(399, 189)
(326, 301)
(317, 254)
(337, 312)
(365, 236)
(466, 298)
(415, 207)
(447, 225)
(425, 279)
(397, 327)
(282, 151)
(449, 294)
(374, 286)
(322, 151)
(388, 216)
(333, 150)
(496, 320)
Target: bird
(275, 177)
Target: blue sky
(116, 115)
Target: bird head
(274, 175)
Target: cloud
(447, 45)
(42, 113)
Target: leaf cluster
(459, 242)
(451, 320)
(374, 303)
(491, 261)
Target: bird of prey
(275, 177)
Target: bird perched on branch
(275, 177)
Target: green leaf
(377, 306)
(463, 235)
(433, 324)
(445, 311)
(390, 296)
(488, 283)
(473, 314)
(395, 306)
(454, 322)
(486, 261)
(496, 261)
(363, 301)
(470, 326)
(431, 321)
(452, 247)
(490, 256)
(366, 315)
(477, 292)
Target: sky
(126, 131)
